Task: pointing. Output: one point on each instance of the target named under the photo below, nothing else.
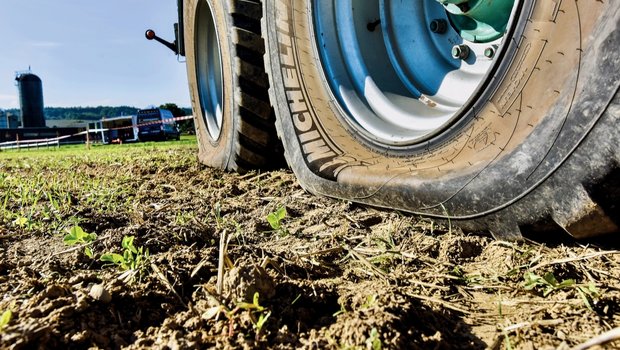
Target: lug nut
(490, 51)
(439, 26)
(460, 52)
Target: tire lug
(439, 26)
(490, 51)
(460, 51)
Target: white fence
(55, 141)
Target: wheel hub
(403, 70)
(479, 21)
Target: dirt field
(322, 274)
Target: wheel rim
(392, 64)
(209, 70)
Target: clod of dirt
(83, 279)
(99, 293)
(55, 291)
(458, 249)
(242, 282)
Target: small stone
(561, 335)
(80, 337)
(99, 293)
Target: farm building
(8, 120)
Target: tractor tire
(534, 146)
(228, 85)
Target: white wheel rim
(209, 70)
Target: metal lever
(150, 35)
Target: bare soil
(334, 275)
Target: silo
(31, 100)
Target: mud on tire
(538, 145)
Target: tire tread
(258, 146)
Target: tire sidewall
(535, 119)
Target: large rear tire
(534, 141)
(228, 85)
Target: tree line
(96, 113)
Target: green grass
(186, 141)
(48, 190)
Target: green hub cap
(479, 21)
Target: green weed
(217, 211)
(343, 310)
(258, 313)
(22, 222)
(468, 280)
(5, 319)
(588, 294)
(133, 260)
(275, 220)
(251, 306)
(546, 284)
(184, 218)
(388, 250)
(371, 301)
(78, 236)
(229, 224)
(255, 308)
(258, 325)
(508, 344)
(374, 341)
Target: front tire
(228, 86)
(534, 144)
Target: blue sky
(91, 53)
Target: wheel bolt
(372, 25)
(439, 26)
(490, 51)
(460, 52)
